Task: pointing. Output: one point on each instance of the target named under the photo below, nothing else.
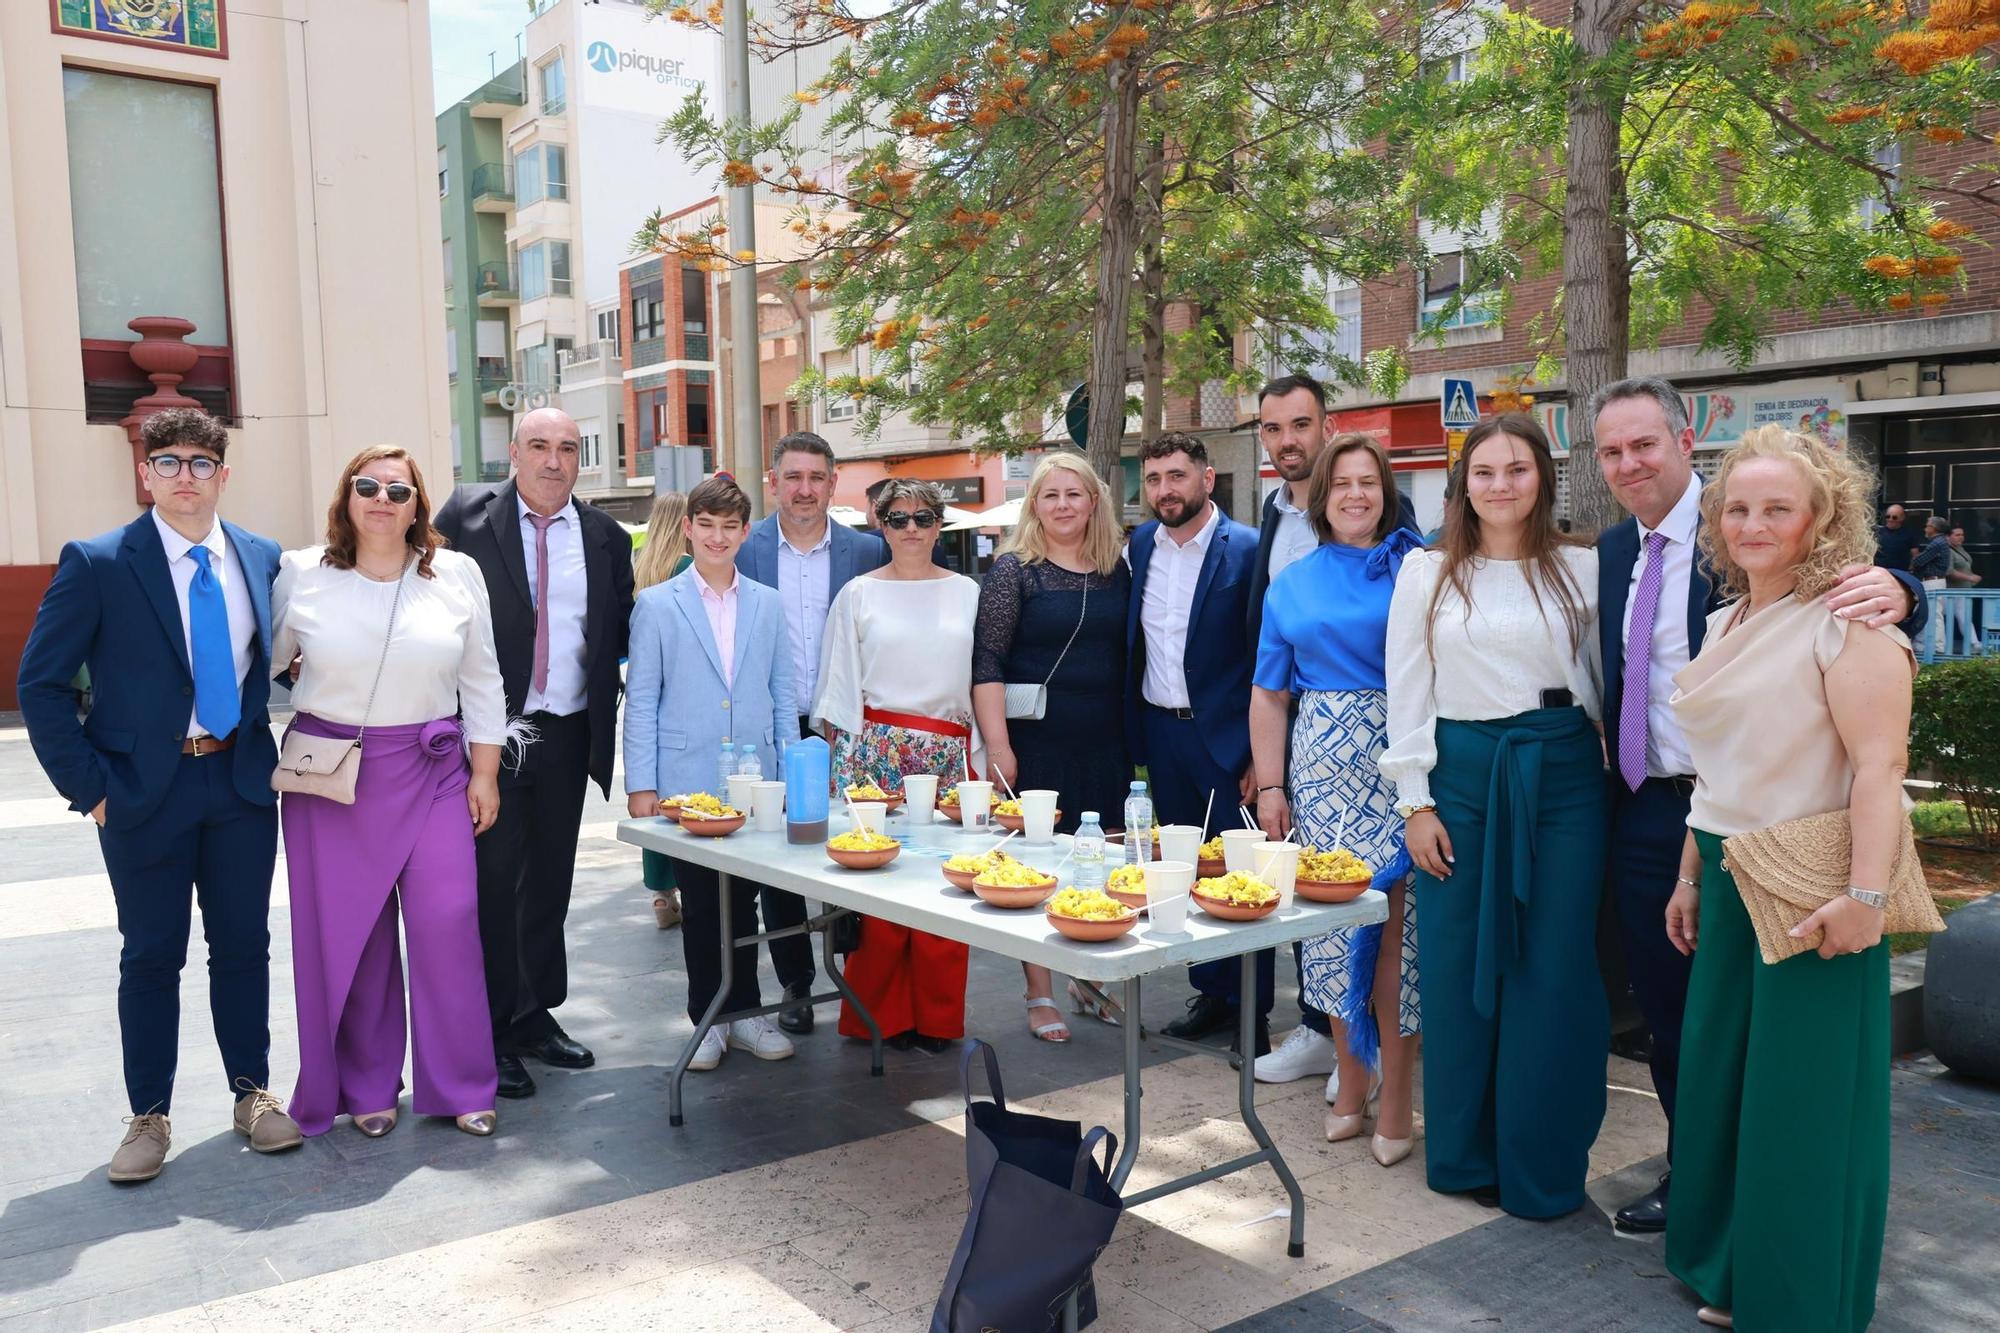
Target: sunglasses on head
(400, 492)
(923, 518)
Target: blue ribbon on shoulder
(1354, 1008)
(1387, 558)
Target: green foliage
(1940, 819)
(1955, 731)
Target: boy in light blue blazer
(721, 638)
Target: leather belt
(1680, 782)
(1184, 714)
(201, 745)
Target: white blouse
(1482, 663)
(441, 664)
(899, 644)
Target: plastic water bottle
(724, 770)
(1138, 826)
(747, 763)
(1087, 850)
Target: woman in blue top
(1326, 620)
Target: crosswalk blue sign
(1459, 405)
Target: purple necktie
(541, 522)
(1632, 709)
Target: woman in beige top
(1781, 1157)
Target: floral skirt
(1335, 742)
(882, 754)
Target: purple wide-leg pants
(405, 843)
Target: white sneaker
(760, 1037)
(1304, 1052)
(709, 1054)
(1332, 1086)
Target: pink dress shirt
(721, 608)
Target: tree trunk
(1153, 278)
(1111, 331)
(1596, 279)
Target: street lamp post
(746, 399)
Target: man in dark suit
(1293, 426)
(1645, 449)
(1187, 708)
(808, 558)
(172, 614)
(559, 575)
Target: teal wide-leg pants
(1515, 1021)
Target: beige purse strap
(395, 605)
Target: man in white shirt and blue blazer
(1645, 449)
(172, 614)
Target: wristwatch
(1867, 897)
(1406, 808)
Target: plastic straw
(1209, 810)
(1248, 822)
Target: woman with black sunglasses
(895, 683)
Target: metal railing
(497, 278)
(1965, 622)
(492, 180)
(493, 373)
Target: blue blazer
(112, 608)
(1218, 661)
(677, 710)
(1617, 554)
(853, 554)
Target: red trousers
(908, 979)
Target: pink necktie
(541, 523)
(1633, 719)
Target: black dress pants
(702, 942)
(526, 863)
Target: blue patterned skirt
(1336, 740)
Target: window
(697, 420)
(648, 312)
(1440, 281)
(451, 353)
(448, 284)
(545, 270)
(444, 174)
(694, 301)
(541, 172)
(590, 452)
(1343, 298)
(1889, 157)
(650, 406)
(1454, 68)
(538, 366)
(555, 88)
(166, 262)
(838, 365)
(607, 330)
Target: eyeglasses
(400, 492)
(200, 467)
(923, 518)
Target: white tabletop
(912, 891)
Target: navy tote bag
(1041, 1210)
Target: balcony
(582, 365)
(493, 377)
(492, 188)
(506, 93)
(499, 286)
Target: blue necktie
(216, 704)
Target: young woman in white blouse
(1493, 689)
(895, 682)
(396, 644)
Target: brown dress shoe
(144, 1150)
(261, 1118)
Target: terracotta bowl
(864, 860)
(1330, 890)
(1092, 932)
(1223, 911)
(890, 803)
(1129, 899)
(671, 813)
(1018, 823)
(703, 827)
(1032, 896)
(1211, 869)
(961, 879)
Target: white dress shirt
(805, 587)
(441, 663)
(235, 596)
(569, 603)
(1168, 605)
(1295, 537)
(1488, 661)
(1666, 746)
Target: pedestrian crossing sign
(1459, 405)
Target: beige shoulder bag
(1788, 871)
(328, 765)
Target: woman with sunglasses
(895, 683)
(395, 645)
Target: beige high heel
(479, 1123)
(1341, 1127)
(1391, 1151)
(376, 1123)
(1715, 1317)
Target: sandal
(1086, 998)
(667, 910)
(1056, 1032)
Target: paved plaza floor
(800, 1195)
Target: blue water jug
(808, 771)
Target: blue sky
(463, 33)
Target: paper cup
(869, 816)
(1038, 815)
(1180, 842)
(1278, 866)
(742, 791)
(1167, 887)
(975, 804)
(919, 797)
(767, 806)
(1237, 846)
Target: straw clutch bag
(1788, 871)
